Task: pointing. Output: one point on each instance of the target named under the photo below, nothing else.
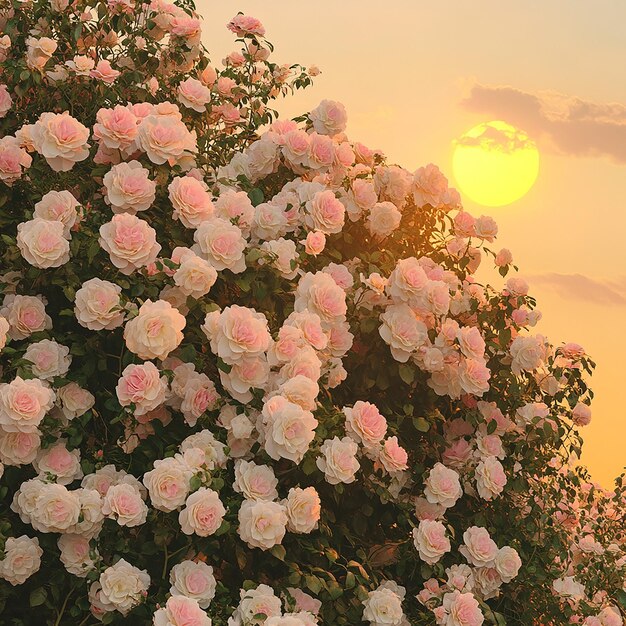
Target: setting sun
(495, 163)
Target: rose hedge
(249, 375)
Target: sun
(495, 164)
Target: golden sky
(419, 74)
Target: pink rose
(191, 201)
(129, 188)
(384, 218)
(123, 502)
(490, 478)
(393, 456)
(329, 117)
(143, 386)
(222, 244)
(61, 140)
(303, 509)
(203, 513)
(243, 25)
(442, 486)
(165, 139)
(431, 541)
(104, 72)
(194, 95)
(60, 206)
(461, 609)
(315, 242)
(130, 242)
(478, 547)
(116, 128)
(43, 243)
(97, 305)
(365, 424)
(13, 159)
(156, 331)
(325, 213)
(581, 414)
(5, 101)
(181, 611)
(24, 404)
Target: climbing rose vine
(250, 375)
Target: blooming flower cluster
(250, 372)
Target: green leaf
(421, 424)
(279, 552)
(256, 196)
(37, 597)
(350, 580)
(407, 373)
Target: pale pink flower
(61, 140)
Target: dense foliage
(249, 374)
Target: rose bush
(250, 374)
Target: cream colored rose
(22, 558)
(25, 314)
(143, 386)
(193, 580)
(75, 400)
(17, 448)
(478, 547)
(262, 524)
(123, 503)
(60, 206)
(319, 294)
(194, 95)
(23, 404)
(43, 243)
(61, 139)
(383, 607)
(156, 331)
(129, 188)
(528, 353)
(168, 483)
(442, 486)
(365, 424)
(203, 513)
(507, 563)
(191, 201)
(260, 601)
(49, 359)
(195, 276)
(402, 331)
(490, 478)
(59, 462)
(338, 460)
(303, 507)
(181, 611)
(383, 219)
(130, 242)
(238, 332)
(75, 554)
(329, 117)
(97, 305)
(165, 139)
(255, 482)
(431, 541)
(124, 586)
(222, 243)
(56, 509)
(289, 429)
(39, 52)
(116, 128)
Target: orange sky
(403, 74)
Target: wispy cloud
(572, 125)
(493, 138)
(578, 286)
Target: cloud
(571, 125)
(586, 288)
(491, 137)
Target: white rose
(255, 482)
(193, 580)
(22, 559)
(203, 513)
(303, 507)
(338, 460)
(168, 483)
(383, 607)
(49, 359)
(124, 586)
(262, 524)
(222, 243)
